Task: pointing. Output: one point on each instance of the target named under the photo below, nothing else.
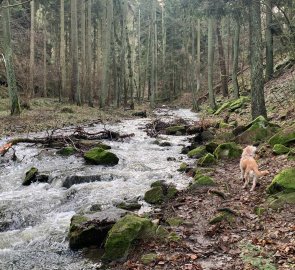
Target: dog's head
(249, 151)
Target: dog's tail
(260, 173)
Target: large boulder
(284, 136)
(123, 234)
(201, 180)
(92, 229)
(228, 151)
(159, 192)
(284, 181)
(257, 131)
(99, 156)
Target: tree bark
(45, 57)
(269, 41)
(63, 91)
(210, 63)
(89, 88)
(257, 84)
(8, 53)
(32, 50)
(236, 46)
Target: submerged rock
(228, 151)
(122, 235)
(80, 179)
(66, 151)
(183, 167)
(129, 205)
(99, 156)
(33, 176)
(284, 136)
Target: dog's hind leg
(254, 181)
(247, 178)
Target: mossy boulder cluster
(257, 131)
(207, 160)
(228, 151)
(122, 235)
(159, 192)
(197, 152)
(232, 105)
(201, 180)
(280, 149)
(99, 156)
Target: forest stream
(35, 219)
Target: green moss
(223, 107)
(207, 160)
(129, 206)
(278, 200)
(158, 183)
(228, 151)
(280, 149)
(201, 180)
(174, 221)
(154, 195)
(224, 125)
(174, 237)
(66, 151)
(173, 130)
(197, 152)
(285, 136)
(99, 156)
(30, 176)
(259, 210)
(223, 215)
(183, 166)
(122, 235)
(161, 232)
(284, 181)
(148, 258)
(232, 105)
(171, 192)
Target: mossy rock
(284, 181)
(165, 144)
(222, 215)
(280, 149)
(201, 180)
(259, 211)
(122, 235)
(211, 146)
(85, 232)
(171, 192)
(232, 105)
(278, 200)
(197, 152)
(148, 258)
(207, 160)
(66, 151)
(99, 156)
(174, 237)
(154, 195)
(161, 232)
(158, 183)
(183, 167)
(176, 130)
(129, 206)
(30, 176)
(222, 107)
(225, 125)
(228, 151)
(174, 221)
(257, 131)
(284, 136)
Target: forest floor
(251, 241)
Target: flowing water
(34, 220)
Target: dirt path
(268, 240)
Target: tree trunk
(211, 62)
(193, 72)
(32, 50)
(89, 56)
(153, 53)
(236, 46)
(84, 90)
(63, 91)
(269, 41)
(75, 87)
(198, 68)
(8, 53)
(45, 57)
(256, 61)
(222, 64)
